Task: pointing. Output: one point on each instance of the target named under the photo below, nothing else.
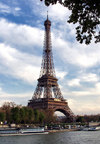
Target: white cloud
(21, 98)
(74, 82)
(19, 65)
(84, 107)
(77, 54)
(61, 74)
(89, 77)
(59, 13)
(84, 77)
(85, 91)
(20, 35)
(17, 9)
(5, 9)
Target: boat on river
(22, 131)
(90, 128)
(94, 128)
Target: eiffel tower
(47, 94)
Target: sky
(77, 65)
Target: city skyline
(21, 47)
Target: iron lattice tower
(47, 93)
(47, 81)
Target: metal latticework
(47, 67)
(47, 82)
(47, 94)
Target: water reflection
(75, 137)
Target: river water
(74, 137)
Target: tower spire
(47, 15)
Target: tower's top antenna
(47, 22)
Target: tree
(30, 115)
(15, 115)
(41, 117)
(6, 107)
(80, 119)
(36, 115)
(26, 109)
(49, 117)
(84, 13)
(2, 117)
(22, 114)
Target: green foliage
(80, 119)
(30, 115)
(2, 117)
(88, 118)
(22, 115)
(84, 13)
(41, 117)
(49, 117)
(94, 118)
(26, 109)
(15, 115)
(6, 107)
(36, 115)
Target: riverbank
(62, 130)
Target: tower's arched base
(52, 103)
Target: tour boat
(32, 130)
(22, 131)
(94, 128)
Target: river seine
(75, 137)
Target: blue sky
(77, 66)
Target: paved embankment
(62, 130)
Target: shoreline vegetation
(11, 113)
(23, 116)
